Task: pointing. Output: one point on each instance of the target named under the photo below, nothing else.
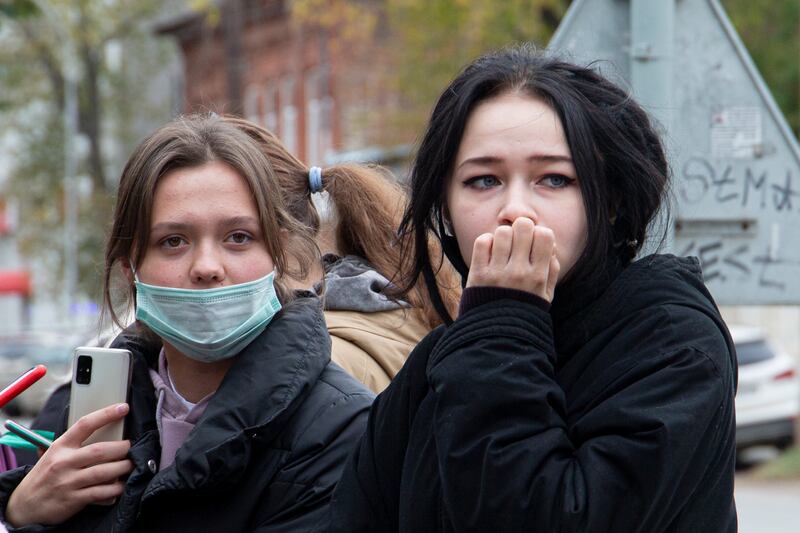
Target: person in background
(578, 389)
(237, 419)
(372, 330)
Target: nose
(207, 266)
(518, 201)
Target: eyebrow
(488, 159)
(231, 222)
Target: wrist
(14, 515)
(477, 295)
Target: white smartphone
(100, 377)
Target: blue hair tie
(315, 179)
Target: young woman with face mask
(237, 419)
(578, 389)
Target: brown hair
(369, 205)
(191, 141)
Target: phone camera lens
(83, 375)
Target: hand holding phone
(101, 377)
(71, 476)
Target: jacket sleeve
(367, 496)
(511, 458)
(298, 497)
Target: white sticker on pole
(736, 133)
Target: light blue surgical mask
(211, 324)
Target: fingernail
(122, 408)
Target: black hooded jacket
(265, 455)
(612, 413)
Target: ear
(612, 213)
(448, 226)
(127, 271)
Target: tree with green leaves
(107, 51)
(772, 37)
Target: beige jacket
(373, 346)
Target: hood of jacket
(650, 282)
(255, 400)
(352, 284)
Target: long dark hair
(618, 156)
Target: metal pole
(651, 63)
(652, 38)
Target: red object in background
(788, 374)
(21, 383)
(15, 282)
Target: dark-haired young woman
(578, 389)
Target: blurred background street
(767, 506)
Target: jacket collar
(255, 400)
(654, 280)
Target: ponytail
(369, 205)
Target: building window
(318, 116)
(270, 109)
(288, 131)
(251, 104)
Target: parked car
(768, 398)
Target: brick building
(299, 81)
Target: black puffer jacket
(616, 415)
(265, 455)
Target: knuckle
(94, 476)
(523, 223)
(95, 451)
(518, 277)
(548, 235)
(83, 425)
(503, 231)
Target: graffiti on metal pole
(726, 261)
(742, 186)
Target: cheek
(467, 227)
(254, 266)
(571, 241)
(161, 274)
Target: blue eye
(482, 182)
(556, 181)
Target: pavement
(767, 506)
